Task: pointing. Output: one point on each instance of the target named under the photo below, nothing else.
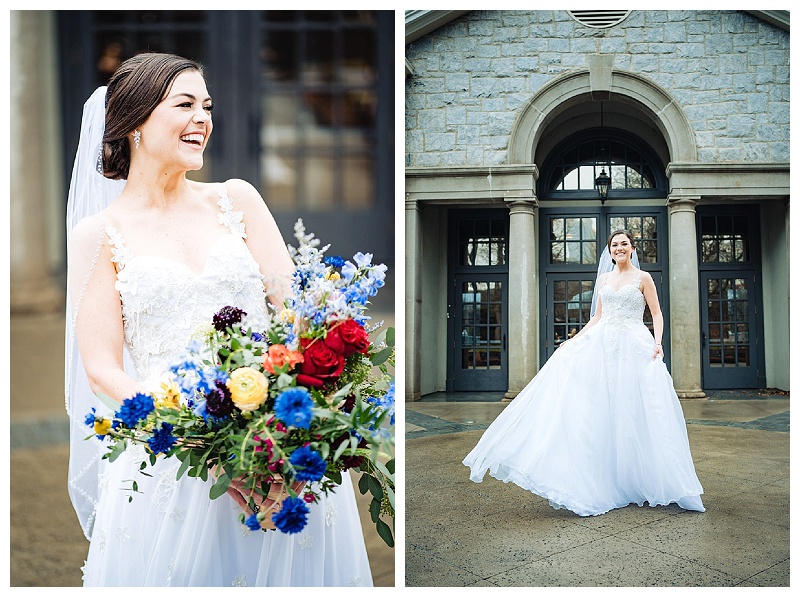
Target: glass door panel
(728, 317)
(480, 343)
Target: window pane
(319, 83)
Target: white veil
(89, 193)
(606, 265)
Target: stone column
(684, 295)
(33, 160)
(523, 304)
(413, 314)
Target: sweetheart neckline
(182, 265)
(637, 282)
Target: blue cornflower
(162, 439)
(252, 523)
(135, 409)
(293, 407)
(257, 337)
(89, 420)
(309, 464)
(291, 518)
(334, 261)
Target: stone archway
(648, 100)
(567, 102)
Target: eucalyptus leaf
(385, 532)
(375, 487)
(375, 510)
(363, 484)
(219, 487)
(382, 356)
(108, 401)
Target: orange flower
(278, 356)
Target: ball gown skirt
(172, 534)
(598, 428)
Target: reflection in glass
(481, 325)
(728, 322)
(319, 89)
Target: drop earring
(137, 136)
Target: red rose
(347, 337)
(319, 361)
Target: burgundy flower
(227, 317)
(218, 401)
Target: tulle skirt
(598, 428)
(172, 534)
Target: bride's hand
(241, 494)
(659, 351)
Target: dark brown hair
(615, 233)
(134, 91)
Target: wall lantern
(602, 183)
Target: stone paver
(460, 533)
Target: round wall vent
(599, 19)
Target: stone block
(779, 152)
(719, 44)
(779, 112)
(503, 67)
(674, 32)
(440, 141)
(456, 82)
(477, 65)
(744, 83)
(644, 63)
(455, 115)
(741, 126)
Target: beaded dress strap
(234, 220)
(119, 251)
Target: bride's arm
(263, 239)
(98, 324)
(651, 296)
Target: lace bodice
(164, 302)
(625, 305)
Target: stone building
(515, 123)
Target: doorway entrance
(730, 297)
(572, 240)
(478, 301)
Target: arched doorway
(574, 230)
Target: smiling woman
(152, 256)
(600, 426)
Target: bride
(152, 255)
(600, 426)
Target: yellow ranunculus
(248, 388)
(332, 276)
(102, 426)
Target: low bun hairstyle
(616, 233)
(134, 91)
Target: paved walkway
(459, 533)
(47, 547)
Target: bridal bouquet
(283, 409)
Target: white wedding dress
(600, 426)
(171, 533)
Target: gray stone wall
(728, 71)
